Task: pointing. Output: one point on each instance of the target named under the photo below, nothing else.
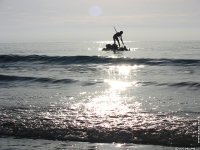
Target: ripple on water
(82, 124)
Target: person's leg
(114, 39)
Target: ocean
(73, 95)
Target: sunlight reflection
(107, 105)
(119, 85)
(119, 145)
(124, 70)
(103, 42)
(115, 100)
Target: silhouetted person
(116, 37)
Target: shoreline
(40, 144)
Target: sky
(85, 20)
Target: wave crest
(8, 78)
(144, 129)
(43, 59)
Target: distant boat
(114, 47)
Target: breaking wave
(143, 128)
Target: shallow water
(74, 91)
(32, 144)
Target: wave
(8, 78)
(189, 84)
(137, 128)
(12, 78)
(183, 84)
(43, 59)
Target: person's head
(121, 32)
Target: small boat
(114, 47)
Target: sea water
(74, 91)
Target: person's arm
(122, 40)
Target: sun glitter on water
(113, 101)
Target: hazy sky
(68, 20)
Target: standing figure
(116, 37)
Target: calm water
(74, 91)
